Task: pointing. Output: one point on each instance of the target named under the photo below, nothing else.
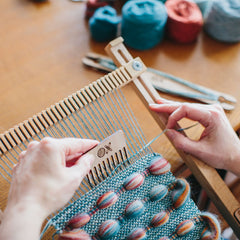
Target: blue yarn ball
(103, 24)
(223, 20)
(143, 23)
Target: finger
(21, 155)
(165, 108)
(70, 160)
(1, 216)
(184, 143)
(14, 168)
(193, 112)
(70, 146)
(163, 100)
(32, 144)
(83, 165)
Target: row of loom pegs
(144, 24)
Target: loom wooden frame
(125, 74)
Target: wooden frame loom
(130, 71)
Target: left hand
(41, 176)
(42, 183)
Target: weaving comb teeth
(108, 155)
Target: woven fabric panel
(188, 211)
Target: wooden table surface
(42, 46)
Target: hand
(218, 145)
(1, 215)
(42, 183)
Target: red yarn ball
(185, 20)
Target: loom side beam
(208, 177)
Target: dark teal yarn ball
(223, 20)
(143, 23)
(104, 24)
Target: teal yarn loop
(223, 20)
(104, 24)
(143, 23)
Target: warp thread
(104, 24)
(143, 23)
(223, 21)
(185, 20)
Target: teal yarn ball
(143, 23)
(223, 21)
(104, 24)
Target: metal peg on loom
(168, 83)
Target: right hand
(218, 145)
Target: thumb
(184, 143)
(82, 165)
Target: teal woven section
(89, 199)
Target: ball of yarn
(74, 234)
(138, 234)
(185, 20)
(103, 24)
(159, 166)
(158, 192)
(134, 181)
(203, 5)
(181, 193)
(79, 220)
(108, 229)
(134, 209)
(143, 23)
(92, 6)
(213, 229)
(223, 20)
(160, 219)
(107, 200)
(185, 227)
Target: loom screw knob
(137, 65)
